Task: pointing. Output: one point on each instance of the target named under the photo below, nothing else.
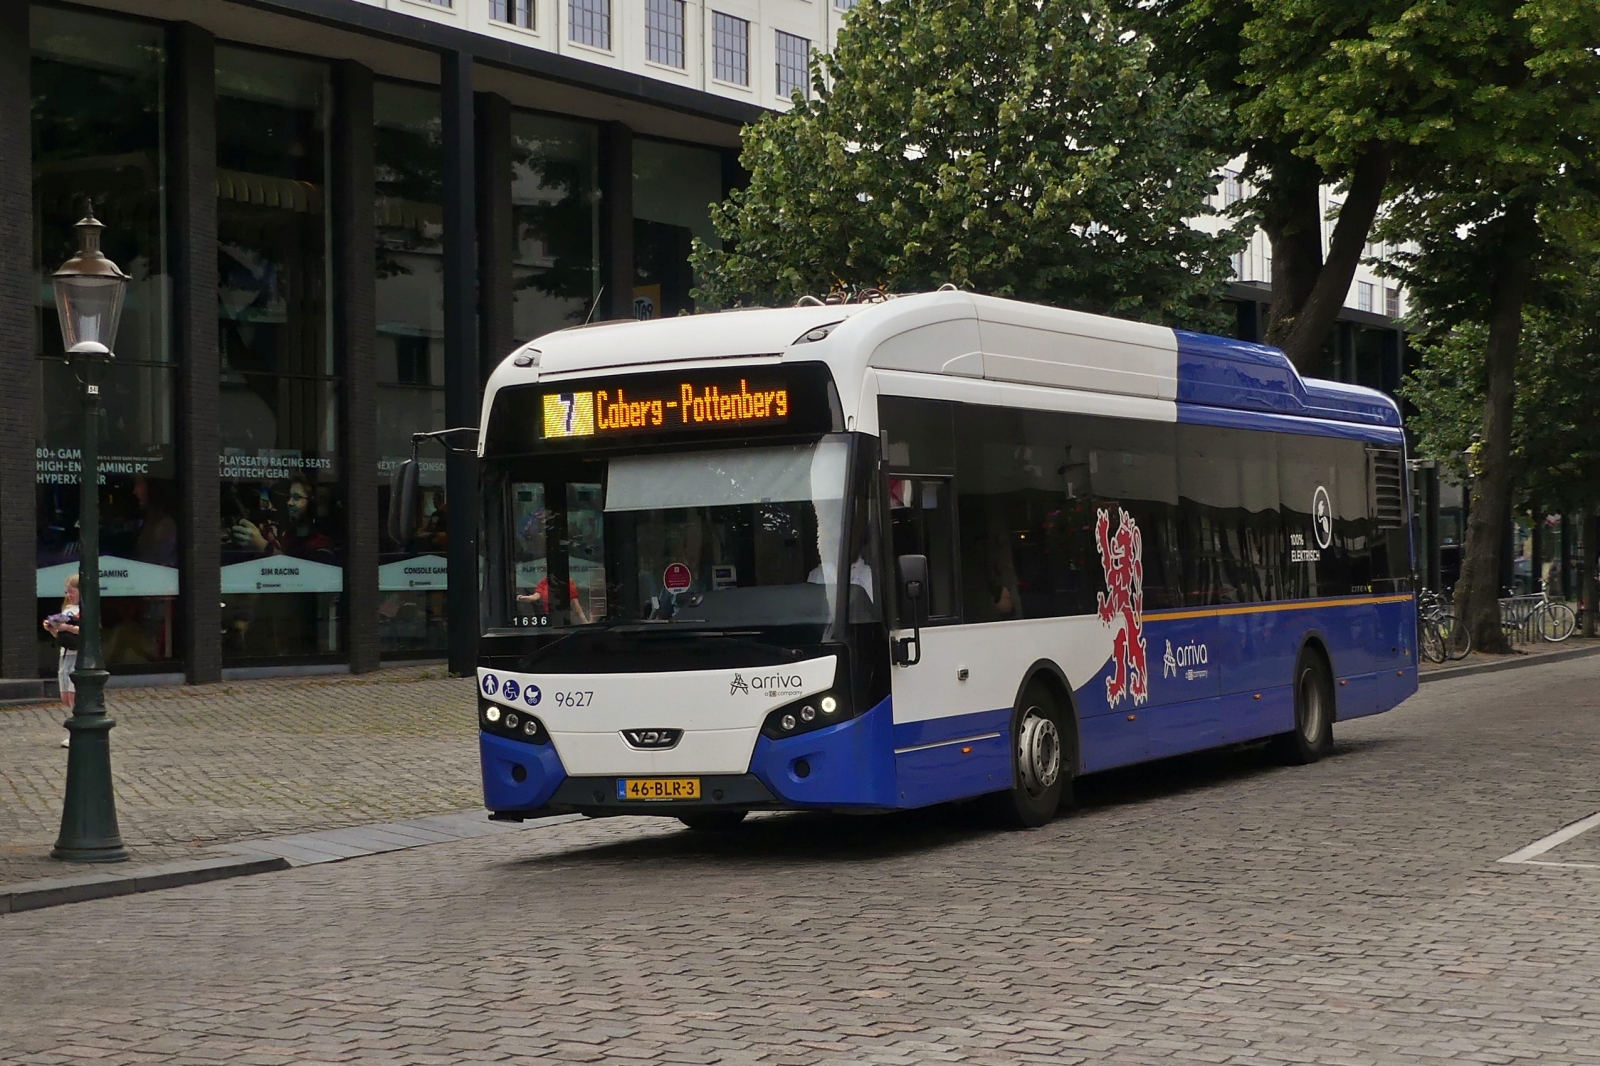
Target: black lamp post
(89, 290)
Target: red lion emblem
(1122, 605)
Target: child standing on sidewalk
(64, 628)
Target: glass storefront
(555, 207)
(98, 113)
(100, 119)
(408, 175)
(674, 186)
(282, 519)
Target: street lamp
(89, 290)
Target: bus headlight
(805, 715)
(514, 725)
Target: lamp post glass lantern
(88, 290)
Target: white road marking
(1529, 856)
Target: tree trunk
(1292, 221)
(1478, 593)
(1315, 317)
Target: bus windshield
(726, 538)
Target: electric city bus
(936, 547)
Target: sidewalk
(1521, 653)
(196, 767)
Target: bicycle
(1440, 636)
(1553, 620)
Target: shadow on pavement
(822, 835)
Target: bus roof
(960, 335)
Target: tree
(1491, 230)
(1024, 149)
(1357, 95)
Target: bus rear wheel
(712, 821)
(1043, 761)
(1312, 735)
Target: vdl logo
(491, 684)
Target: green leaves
(1026, 150)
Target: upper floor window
(844, 5)
(1364, 294)
(1391, 302)
(1232, 188)
(663, 32)
(730, 49)
(516, 12)
(589, 22)
(793, 55)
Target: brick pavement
(212, 764)
(1210, 909)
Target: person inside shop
(301, 535)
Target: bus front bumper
(846, 766)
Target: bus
(886, 554)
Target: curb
(262, 856)
(52, 892)
(1511, 663)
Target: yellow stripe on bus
(1263, 608)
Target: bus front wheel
(1312, 735)
(1043, 760)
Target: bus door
(948, 741)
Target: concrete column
(496, 232)
(19, 640)
(461, 361)
(616, 221)
(192, 245)
(354, 326)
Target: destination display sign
(664, 406)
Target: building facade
(336, 215)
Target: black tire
(1314, 711)
(1044, 760)
(1457, 637)
(1431, 641)
(712, 821)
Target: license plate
(658, 788)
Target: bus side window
(922, 522)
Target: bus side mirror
(402, 501)
(913, 588)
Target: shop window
(674, 187)
(408, 164)
(555, 211)
(97, 122)
(282, 518)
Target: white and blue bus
(938, 547)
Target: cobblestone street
(1211, 909)
(214, 764)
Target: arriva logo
(1185, 659)
(769, 683)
